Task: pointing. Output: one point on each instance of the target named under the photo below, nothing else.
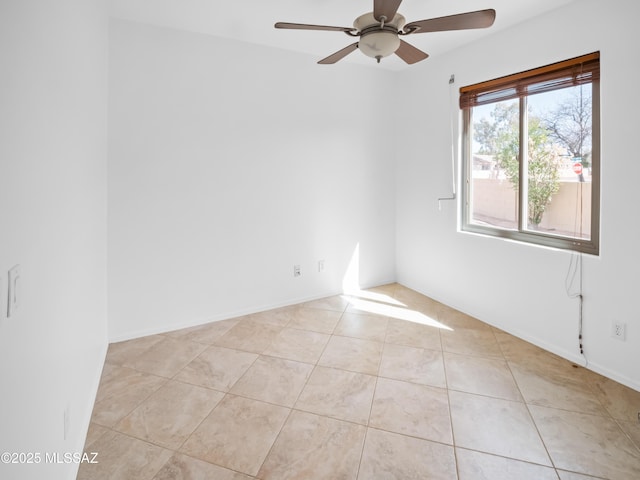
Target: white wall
(228, 164)
(516, 287)
(53, 121)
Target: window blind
(575, 71)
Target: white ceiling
(252, 21)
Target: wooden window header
(575, 71)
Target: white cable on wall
(576, 263)
(574, 272)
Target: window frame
(523, 234)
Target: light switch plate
(3, 298)
(13, 298)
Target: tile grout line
(446, 382)
(524, 401)
(292, 408)
(535, 424)
(606, 413)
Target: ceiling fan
(379, 31)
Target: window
(531, 161)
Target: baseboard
(626, 381)
(86, 421)
(577, 359)
(216, 318)
(567, 355)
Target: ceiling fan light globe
(379, 44)
(376, 42)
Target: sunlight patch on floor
(392, 311)
(379, 303)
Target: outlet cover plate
(619, 330)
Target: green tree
(500, 136)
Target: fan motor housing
(368, 20)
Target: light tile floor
(387, 384)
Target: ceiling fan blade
(409, 53)
(304, 26)
(339, 55)
(462, 21)
(386, 8)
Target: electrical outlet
(618, 330)
(320, 265)
(296, 271)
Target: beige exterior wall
(494, 201)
